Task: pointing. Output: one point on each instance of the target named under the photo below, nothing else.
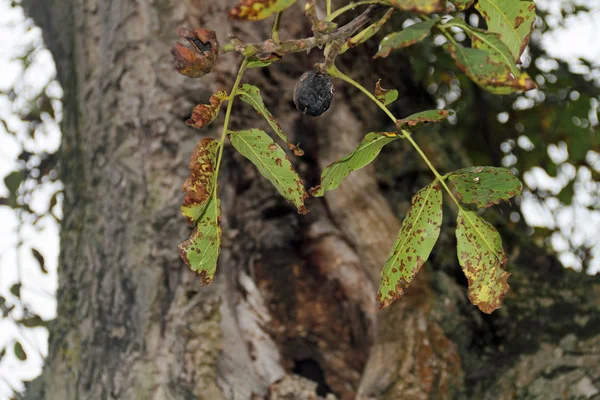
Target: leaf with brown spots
(485, 186)
(419, 6)
(366, 33)
(404, 38)
(254, 10)
(512, 20)
(204, 114)
(418, 234)
(419, 119)
(199, 60)
(386, 96)
(251, 94)
(201, 251)
(482, 258)
(363, 155)
(200, 185)
(272, 163)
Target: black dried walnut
(313, 93)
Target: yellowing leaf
(204, 114)
(199, 186)
(482, 259)
(201, 251)
(254, 10)
(404, 38)
(512, 20)
(418, 234)
(272, 163)
(367, 151)
(251, 94)
(485, 186)
(419, 6)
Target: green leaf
(385, 96)
(366, 33)
(404, 38)
(199, 186)
(419, 6)
(251, 94)
(419, 119)
(418, 234)
(271, 161)
(365, 153)
(31, 322)
(254, 10)
(204, 114)
(15, 290)
(40, 259)
(512, 20)
(12, 182)
(482, 258)
(201, 251)
(462, 4)
(485, 186)
(19, 351)
(263, 62)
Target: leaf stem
(352, 6)
(275, 31)
(333, 71)
(328, 3)
(231, 98)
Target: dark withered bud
(313, 93)
(200, 59)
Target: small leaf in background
(201, 251)
(482, 258)
(418, 234)
(259, 62)
(419, 119)
(197, 61)
(40, 259)
(462, 4)
(364, 154)
(199, 186)
(12, 182)
(272, 163)
(15, 290)
(31, 322)
(485, 186)
(19, 351)
(2, 353)
(251, 94)
(512, 20)
(386, 96)
(254, 10)
(366, 33)
(419, 6)
(404, 38)
(204, 114)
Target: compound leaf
(251, 94)
(201, 251)
(419, 119)
(418, 234)
(365, 153)
(485, 186)
(404, 38)
(199, 186)
(271, 161)
(482, 258)
(254, 10)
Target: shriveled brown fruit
(199, 60)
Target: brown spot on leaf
(199, 60)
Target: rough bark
(291, 314)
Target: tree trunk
(291, 313)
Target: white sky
(580, 37)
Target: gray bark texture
(291, 313)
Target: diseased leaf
(251, 94)
(485, 186)
(419, 119)
(19, 351)
(404, 38)
(40, 259)
(201, 251)
(419, 6)
(365, 153)
(199, 60)
(462, 4)
(418, 234)
(386, 96)
(512, 20)
(366, 33)
(204, 114)
(254, 10)
(271, 161)
(482, 258)
(200, 185)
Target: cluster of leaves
(490, 62)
